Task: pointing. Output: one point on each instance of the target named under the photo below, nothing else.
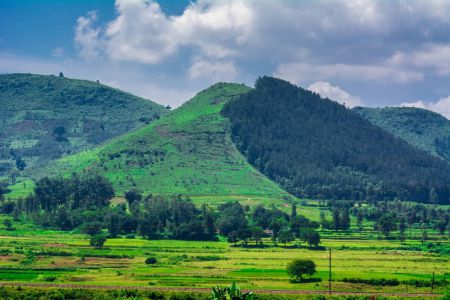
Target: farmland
(360, 262)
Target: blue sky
(362, 52)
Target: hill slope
(188, 151)
(422, 128)
(315, 147)
(46, 117)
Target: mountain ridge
(424, 129)
(45, 117)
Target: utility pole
(329, 270)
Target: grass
(204, 264)
(188, 151)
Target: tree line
(82, 202)
(387, 217)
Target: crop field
(358, 264)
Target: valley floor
(45, 257)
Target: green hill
(317, 148)
(422, 128)
(47, 117)
(189, 151)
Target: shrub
(381, 281)
(150, 261)
(230, 292)
(50, 278)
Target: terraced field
(46, 257)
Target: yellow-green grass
(204, 264)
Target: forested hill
(45, 117)
(317, 148)
(422, 128)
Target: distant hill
(43, 118)
(422, 128)
(189, 151)
(315, 147)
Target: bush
(381, 281)
(50, 278)
(150, 261)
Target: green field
(43, 256)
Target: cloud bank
(326, 90)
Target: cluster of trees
(263, 222)
(83, 203)
(317, 148)
(388, 216)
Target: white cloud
(326, 90)
(213, 70)
(442, 106)
(302, 72)
(324, 40)
(435, 56)
(87, 38)
(143, 33)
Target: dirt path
(207, 290)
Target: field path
(207, 290)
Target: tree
(433, 196)
(359, 220)
(60, 134)
(310, 236)
(293, 212)
(345, 220)
(441, 225)
(91, 228)
(61, 74)
(336, 219)
(98, 241)
(245, 234)
(113, 224)
(323, 220)
(424, 235)
(402, 228)
(231, 218)
(132, 196)
(233, 237)
(386, 223)
(275, 226)
(257, 234)
(298, 268)
(8, 224)
(20, 164)
(285, 236)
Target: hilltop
(44, 118)
(421, 128)
(189, 151)
(314, 147)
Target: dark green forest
(317, 148)
(421, 128)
